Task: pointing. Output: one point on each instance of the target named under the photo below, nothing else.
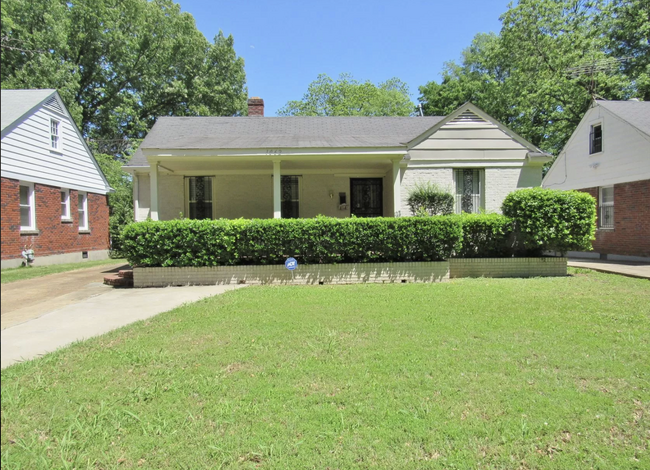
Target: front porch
(269, 186)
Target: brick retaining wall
(305, 274)
(352, 273)
(507, 267)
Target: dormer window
(55, 137)
(596, 139)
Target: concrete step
(116, 280)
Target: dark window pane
(290, 209)
(200, 197)
(596, 139)
(290, 197)
(200, 210)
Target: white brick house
(264, 167)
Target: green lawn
(474, 373)
(19, 274)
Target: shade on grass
(483, 373)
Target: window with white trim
(199, 197)
(290, 197)
(606, 207)
(55, 134)
(596, 139)
(27, 207)
(469, 186)
(65, 204)
(83, 210)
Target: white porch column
(153, 183)
(397, 189)
(277, 197)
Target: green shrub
(486, 236)
(120, 201)
(548, 219)
(534, 221)
(429, 199)
(270, 241)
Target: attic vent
(54, 104)
(467, 117)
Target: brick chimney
(256, 106)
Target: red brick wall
(631, 234)
(55, 237)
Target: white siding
(475, 142)
(625, 156)
(26, 154)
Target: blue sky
(286, 44)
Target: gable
(625, 156)
(469, 116)
(470, 135)
(27, 153)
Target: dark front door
(366, 198)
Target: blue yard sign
(291, 264)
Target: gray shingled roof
(636, 113)
(281, 132)
(15, 103)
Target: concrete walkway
(626, 268)
(45, 314)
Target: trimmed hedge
(535, 220)
(551, 219)
(270, 241)
(486, 236)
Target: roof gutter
(539, 158)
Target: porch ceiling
(183, 165)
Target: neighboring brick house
(608, 156)
(264, 167)
(53, 192)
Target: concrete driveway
(44, 314)
(24, 300)
(637, 269)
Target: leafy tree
(120, 202)
(349, 97)
(118, 64)
(539, 75)
(629, 38)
